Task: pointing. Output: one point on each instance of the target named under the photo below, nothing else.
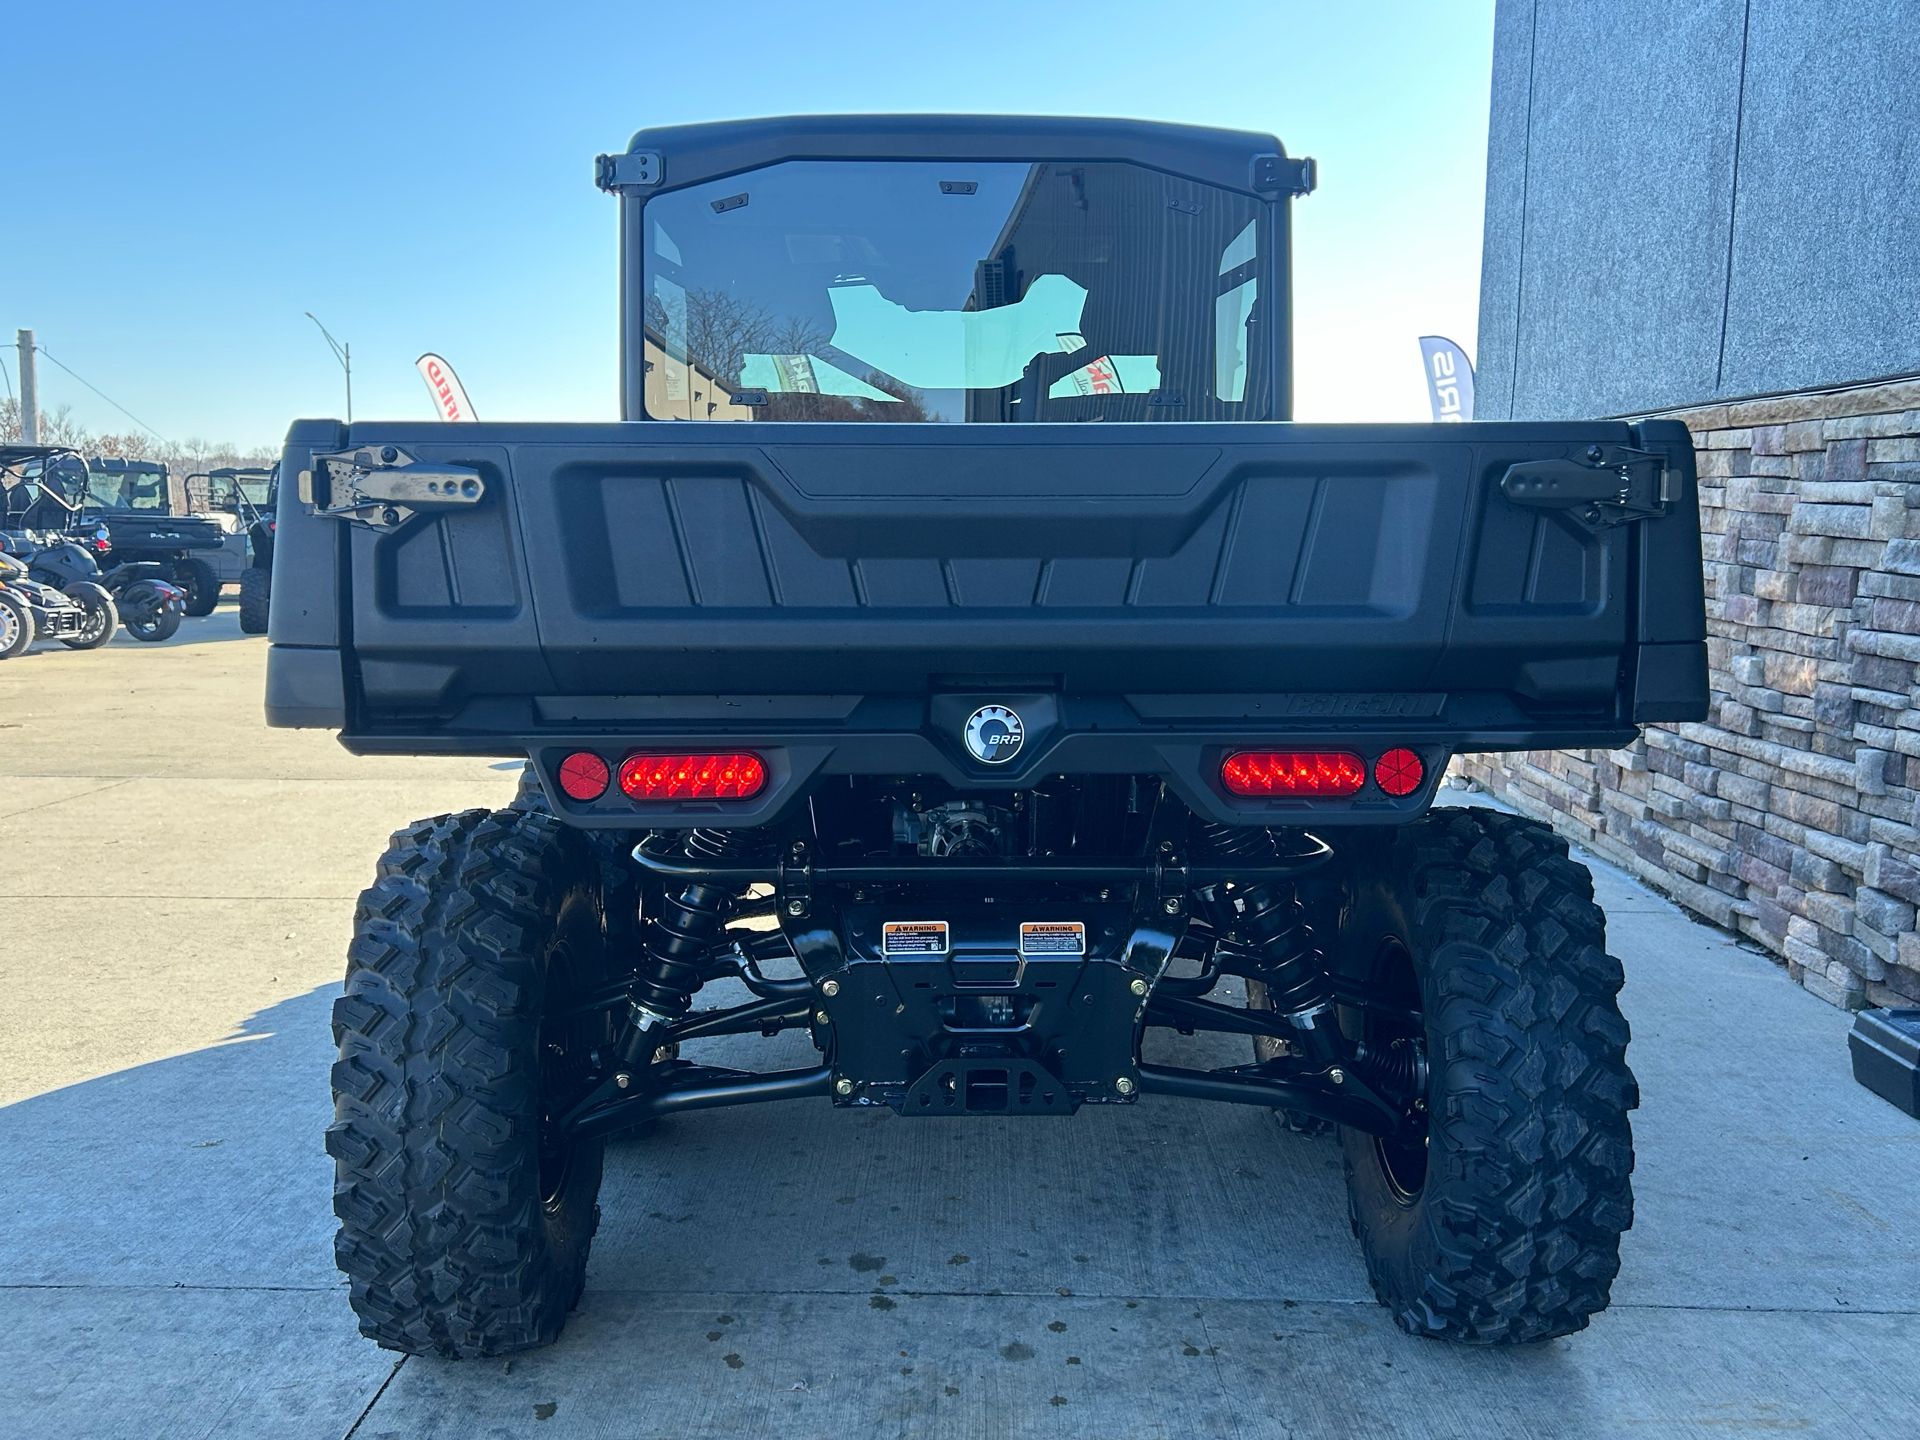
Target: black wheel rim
(95, 622)
(1402, 1161)
(558, 1078)
(567, 1040)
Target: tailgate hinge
(1607, 485)
(1290, 176)
(621, 174)
(382, 486)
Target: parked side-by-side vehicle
(60, 573)
(243, 499)
(957, 646)
(145, 512)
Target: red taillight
(584, 775)
(1399, 772)
(1293, 772)
(692, 777)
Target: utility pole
(29, 392)
(342, 353)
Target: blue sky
(186, 180)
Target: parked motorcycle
(148, 606)
(16, 622)
(80, 615)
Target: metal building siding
(1692, 202)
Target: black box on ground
(1886, 1055)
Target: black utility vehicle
(146, 514)
(1026, 723)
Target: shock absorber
(1268, 923)
(680, 940)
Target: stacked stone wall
(1789, 814)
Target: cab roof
(690, 154)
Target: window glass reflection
(844, 290)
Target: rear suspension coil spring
(1236, 842)
(679, 941)
(710, 844)
(1268, 920)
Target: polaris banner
(448, 394)
(1449, 379)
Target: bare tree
(797, 336)
(56, 428)
(186, 457)
(721, 330)
(717, 330)
(61, 428)
(908, 404)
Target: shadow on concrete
(164, 1265)
(1167, 1268)
(220, 627)
(208, 1169)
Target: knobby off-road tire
(1504, 1227)
(529, 794)
(254, 594)
(464, 1228)
(196, 577)
(624, 902)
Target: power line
(104, 396)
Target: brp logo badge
(994, 734)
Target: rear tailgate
(1187, 568)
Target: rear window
(854, 290)
(230, 492)
(128, 489)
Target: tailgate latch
(1608, 485)
(382, 487)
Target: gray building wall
(1697, 200)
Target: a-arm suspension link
(1265, 936)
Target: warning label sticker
(913, 937)
(1053, 937)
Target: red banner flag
(448, 394)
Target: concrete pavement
(174, 913)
